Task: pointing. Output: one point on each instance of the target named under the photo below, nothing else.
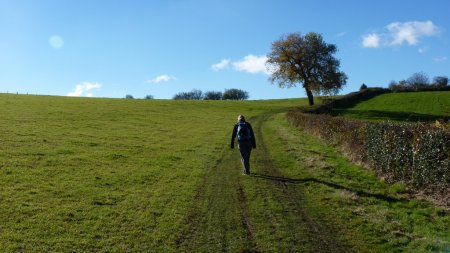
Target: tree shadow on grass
(329, 184)
(391, 115)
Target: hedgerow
(418, 154)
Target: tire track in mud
(246, 223)
(218, 219)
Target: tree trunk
(310, 96)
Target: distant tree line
(419, 81)
(189, 95)
(129, 96)
(228, 94)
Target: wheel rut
(220, 218)
(311, 235)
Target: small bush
(363, 87)
(440, 80)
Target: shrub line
(417, 154)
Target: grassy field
(107, 174)
(116, 175)
(407, 106)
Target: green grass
(116, 175)
(106, 174)
(407, 106)
(370, 215)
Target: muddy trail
(263, 212)
(218, 220)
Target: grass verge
(370, 215)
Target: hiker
(246, 141)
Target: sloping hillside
(407, 106)
(123, 175)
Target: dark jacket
(235, 128)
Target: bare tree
(418, 79)
(191, 95)
(213, 95)
(235, 94)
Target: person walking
(246, 141)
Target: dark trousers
(245, 148)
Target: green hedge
(417, 154)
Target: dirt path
(310, 235)
(223, 218)
(218, 220)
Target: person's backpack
(243, 132)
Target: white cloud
(397, 34)
(56, 41)
(221, 65)
(440, 59)
(410, 32)
(84, 89)
(252, 64)
(371, 40)
(162, 78)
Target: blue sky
(106, 48)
